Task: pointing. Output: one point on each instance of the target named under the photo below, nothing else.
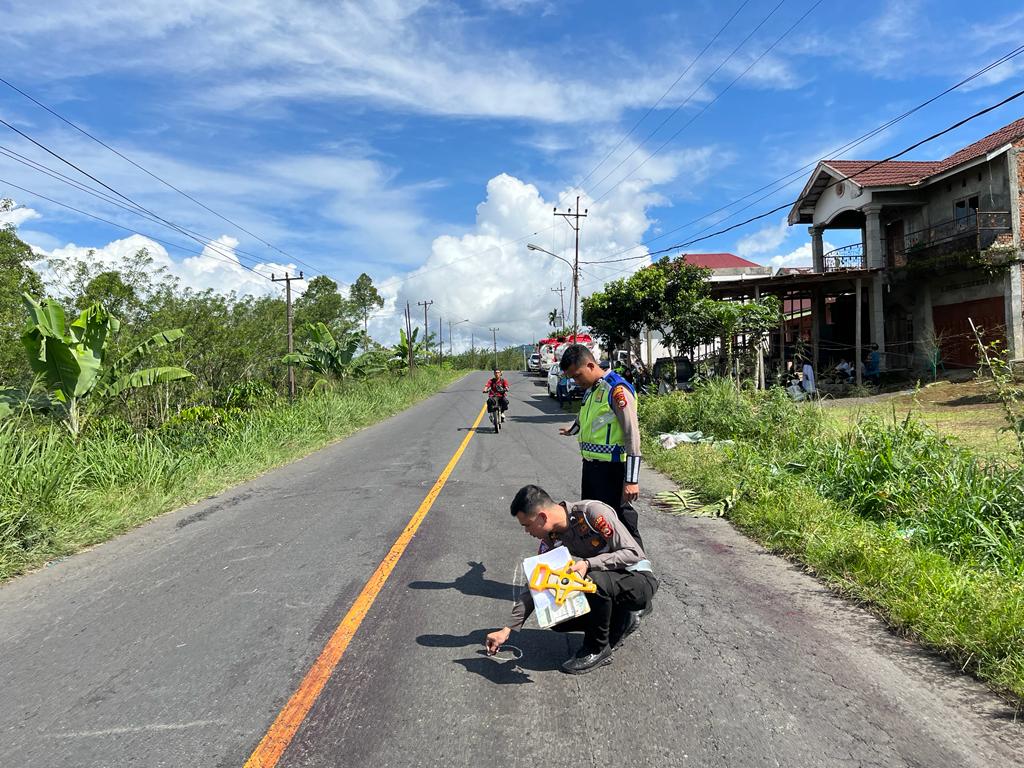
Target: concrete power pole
(426, 327)
(560, 290)
(573, 219)
(494, 334)
(287, 280)
(408, 334)
(440, 343)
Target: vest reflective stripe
(600, 436)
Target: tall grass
(888, 511)
(57, 495)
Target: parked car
(672, 373)
(534, 364)
(561, 386)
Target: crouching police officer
(606, 553)
(609, 435)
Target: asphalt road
(179, 643)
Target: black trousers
(502, 402)
(616, 591)
(606, 481)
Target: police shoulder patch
(619, 396)
(603, 527)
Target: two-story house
(940, 244)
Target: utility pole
(426, 328)
(560, 290)
(494, 334)
(440, 342)
(287, 280)
(573, 219)
(408, 334)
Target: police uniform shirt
(623, 403)
(595, 534)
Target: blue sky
(426, 142)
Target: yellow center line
(284, 728)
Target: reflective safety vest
(600, 436)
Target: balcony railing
(848, 257)
(974, 233)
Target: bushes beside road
(887, 511)
(58, 495)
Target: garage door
(957, 340)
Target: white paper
(547, 612)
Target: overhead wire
(832, 153)
(63, 178)
(711, 103)
(153, 175)
(663, 96)
(169, 244)
(853, 176)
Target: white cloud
(764, 240)
(217, 267)
(799, 257)
(432, 58)
(488, 276)
(17, 216)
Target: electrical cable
(151, 174)
(128, 229)
(707, 106)
(790, 204)
(661, 98)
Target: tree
(401, 350)
(753, 319)
(325, 355)
(70, 358)
(16, 278)
(109, 289)
(321, 303)
(364, 298)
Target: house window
(965, 212)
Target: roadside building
(939, 245)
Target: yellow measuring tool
(561, 582)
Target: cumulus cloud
(799, 257)
(217, 266)
(764, 240)
(489, 277)
(17, 216)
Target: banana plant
(325, 355)
(69, 359)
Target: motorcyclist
(497, 390)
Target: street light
(450, 326)
(575, 282)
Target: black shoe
(624, 624)
(585, 661)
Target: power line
(711, 103)
(661, 98)
(150, 173)
(832, 153)
(57, 175)
(104, 185)
(862, 171)
(692, 93)
(27, 191)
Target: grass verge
(888, 513)
(58, 496)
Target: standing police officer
(608, 433)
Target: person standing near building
(609, 435)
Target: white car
(560, 385)
(535, 365)
(554, 376)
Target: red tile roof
(718, 261)
(896, 172)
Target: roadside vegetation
(124, 395)
(890, 512)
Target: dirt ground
(969, 411)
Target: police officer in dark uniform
(604, 552)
